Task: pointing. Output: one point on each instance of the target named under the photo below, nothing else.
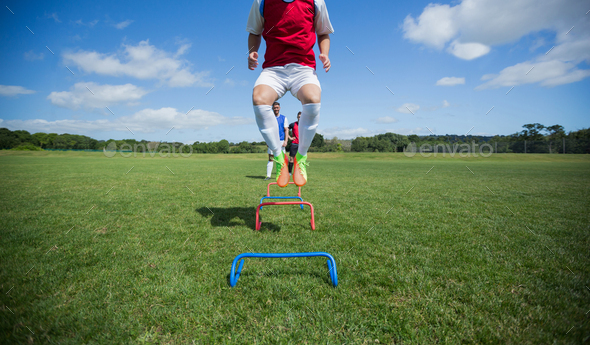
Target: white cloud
(54, 16)
(349, 133)
(195, 119)
(89, 24)
(408, 131)
(488, 23)
(471, 27)
(450, 81)
(435, 27)
(144, 121)
(100, 97)
(538, 43)
(468, 51)
(408, 108)
(10, 90)
(31, 56)
(387, 119)
(123, 24)
(142, 61)
(445, 104)
(555, 67)
(547, 73)
(183, 49)
(231, 83)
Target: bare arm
(324, 45)
(253, 45)
(286, 136)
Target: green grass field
(98, 250)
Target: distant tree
(223, 146)
(318, 140)
(38, 139)
(330, 145)
(532, 131)
(359, 144)
(49, 139)
(556, 132)
(380, 145)
(397, 141)
(413, 138)
(60, 142)
(23, 136)
(7, 139)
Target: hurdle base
(235, 275)
(259, 219)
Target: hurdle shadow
(226, 217)
(284, 273)
(257, 177)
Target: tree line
(23, 140)
(534, 138)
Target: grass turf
(428, 250)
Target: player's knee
(311, 97)
(314, 99)
(259, 98)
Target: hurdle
(259, 219)
(235, 275)
(281, 197)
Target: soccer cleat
(282, 173)
(300, 170)
(267, 178)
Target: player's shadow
(257, 177)
(234, 216)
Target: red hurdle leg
(312, 217)
(259, 220)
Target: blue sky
(109, 68)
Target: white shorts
(289, 77)
(270, 152)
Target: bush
(27, 147)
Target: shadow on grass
(226, 217)
(257, 177)
(282, 273)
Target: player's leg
(262, 98)
(292, 153)
(269, 165)
(310, 96)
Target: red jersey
(289, 32)
(294, 127)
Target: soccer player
(294, 128)
(289, 28)
(283, 135)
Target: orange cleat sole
(283, 179)
(299, 180)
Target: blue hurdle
(234, 276)
(281, 197)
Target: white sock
(310, 118)
(267, 124)
(269, 168)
